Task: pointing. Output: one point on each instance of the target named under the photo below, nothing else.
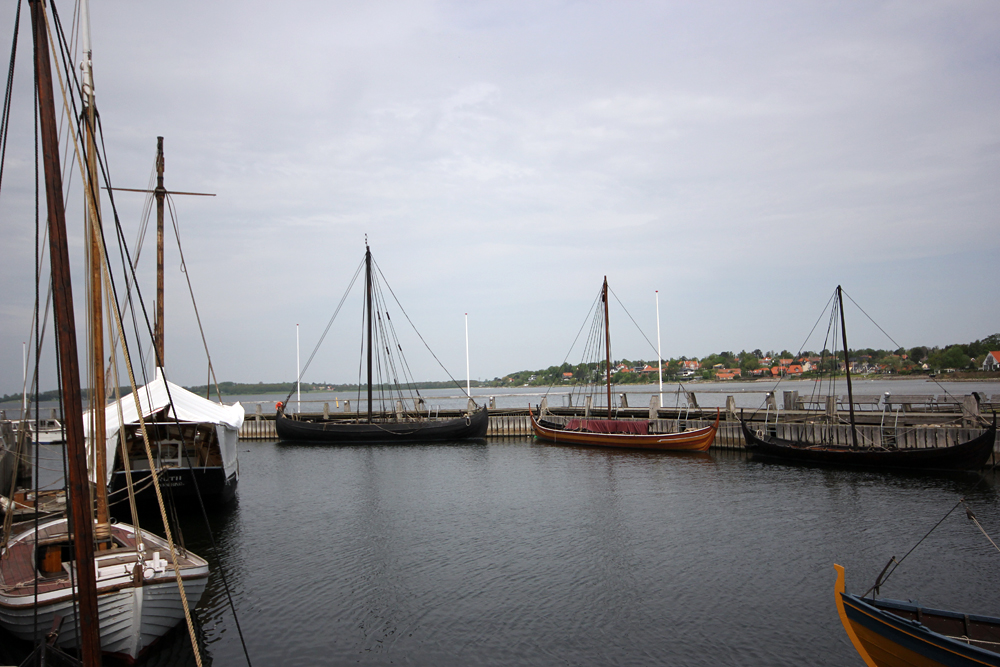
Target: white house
(992, 361)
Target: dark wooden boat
(430, 430)
(397, 427)
(968, 455)
(626, 434)
(889, 633)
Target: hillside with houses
(981, 355)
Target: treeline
(920, 359)
(241, 388)
(53, 395)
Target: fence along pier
(903, 421)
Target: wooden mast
(368, 301)
(847, 369)
(81, 512)
(607, 341)
(160, 193)
(97, 398)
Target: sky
(734, 160)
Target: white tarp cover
(187, 407)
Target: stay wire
(881, 580)
(329, 324)
(194, 304)
(638, 328)
(586, 319)
(403, 310)
(8, 93)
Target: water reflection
(512, 552)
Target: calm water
(511, 552)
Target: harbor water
(507, 552)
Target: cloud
(502, 158)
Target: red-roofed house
(992, 361)
(691, 365)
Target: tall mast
(65, 325)
(97, 399)
(160, 192)
(607, 341)
(847, 368)
(368, 302)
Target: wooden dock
(920, 431)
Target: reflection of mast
(97, 397)
(65, 325)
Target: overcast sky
(743, 158)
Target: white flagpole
(659, 361)
(298, 386)
(24, 383)
(468, 376)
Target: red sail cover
(608, 426)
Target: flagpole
(659, 361)
(468, 376)
(298, 385)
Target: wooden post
(326, 411)
(730, 406)
(831, 408)
(654, 406)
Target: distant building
(992, 361)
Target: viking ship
(824, 450)
(620, 433)
(194, 440)
(891, 633)
(397, 425)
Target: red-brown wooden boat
(628, 434)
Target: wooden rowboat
(628, 434)
(889, 633)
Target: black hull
(463, 428)
(970, 455)
(179, 483)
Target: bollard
(588, 403)
(326, 411)
(730, 406)
(654, 406)
(347, 406)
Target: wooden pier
(920, 430)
